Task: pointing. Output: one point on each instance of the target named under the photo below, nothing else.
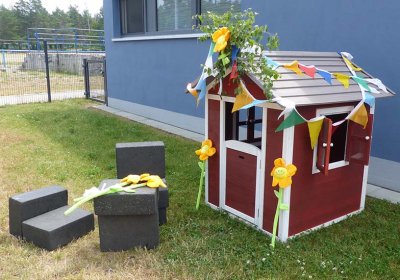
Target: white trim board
(187, 122)
(158, 37)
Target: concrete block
(127, 220)
(31, 204)
(53, 229)
(162, 216)
(163, 197)
(140, 157)
(142, 202)
(120, 233)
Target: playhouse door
(241, 179)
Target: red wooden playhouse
(330, 183)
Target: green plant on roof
(237, 38)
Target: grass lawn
(69, 144)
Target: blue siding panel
(155, 72)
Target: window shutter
(359, 142)
(324, 146)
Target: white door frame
(249, 149)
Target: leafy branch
(251, 39)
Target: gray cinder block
(53, 229)
(127, 220)
(163, 203)
(31, 204)
(140, 157)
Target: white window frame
(325, 112)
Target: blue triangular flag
(326, 75)
(202, 87)
(235, 51)
(369, 99)
(271, 63)
(254, 103)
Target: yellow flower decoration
(154, 181)
(207, 150)
(221, 38)
(282, 174)
(134, 179)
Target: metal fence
(23, 76)
(94, 71)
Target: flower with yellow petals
(282, 173)
(154, 181)
(131, 179)
(220, 38)
(207, 150)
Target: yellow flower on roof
(154, 181)
(207, 150)
(282, 173)
(221, 38)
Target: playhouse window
(330, 152)
(243, 125)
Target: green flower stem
(278, 208)
(201, 183)
(113, 189)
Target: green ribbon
(201, 183)
(280, 206)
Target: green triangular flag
(361, 82)
(293, 119)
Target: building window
(166, 16)
(174, 15)
(132, 16)
(219, 6)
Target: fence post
(3, 54)
(105, 81)
(86, 77)
(46, 60)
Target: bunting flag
(343, 79)
(192, 91)
(350, 64)
(202, 87)
(309, 70)
(235, 51)
(314, 128)
(360, 116)
(234, 72)
(294, 118)
(369, 99)
(377, 83)
(271, 63)
(243, 98)
(287, 104)
(294, 66)
(326, 75)
(361, 82)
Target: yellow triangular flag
(192, 91)
(242, 99)
(343, 79)
(294, 66)
(314, 128)
(360, 116)
(349, 63)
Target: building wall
(148, 74)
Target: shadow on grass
(208, 244)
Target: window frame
(326, 112)
(151, 23)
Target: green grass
(69, 144)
